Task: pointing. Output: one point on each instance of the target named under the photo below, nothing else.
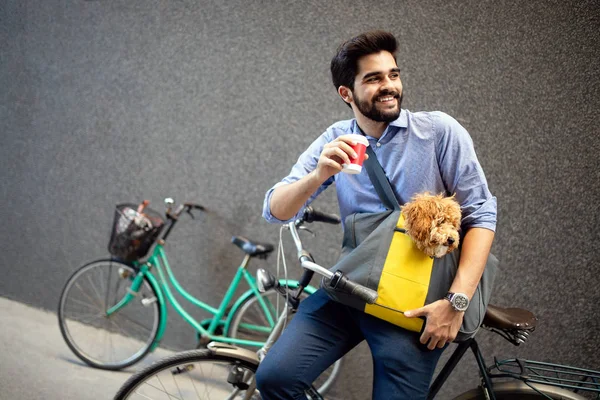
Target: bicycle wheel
(517, 390)
(107, 342)
(251, 323)
(194, 374)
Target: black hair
(344, 65)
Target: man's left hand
(442, 323)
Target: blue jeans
(323, 330)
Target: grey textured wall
(119, 100)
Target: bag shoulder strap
(380, 181)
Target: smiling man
(419, 152)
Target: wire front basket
(133, 232)
(572, 378)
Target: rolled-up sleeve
(306, 163)
(462, 174)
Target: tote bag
(377, 253)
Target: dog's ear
(452, 210)
(418, 216)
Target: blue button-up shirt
(419, 152)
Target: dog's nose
(451, 241)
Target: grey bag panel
(367, 239)
(478, 306)
(442, 276)
(364, 249)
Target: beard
(370, 110)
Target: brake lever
(189, 211)
(304, 228)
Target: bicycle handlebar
(187, 207)
(337, 280)
(173, 216)
(341, 282)
(195, 206)
(312, 215)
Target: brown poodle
(433, 222)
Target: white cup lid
(360, 139)
(351, 168)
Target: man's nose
(388, 85)
(386, 82)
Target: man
(419, 152)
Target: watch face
(461, 302)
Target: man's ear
(345, 94)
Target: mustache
(395, 94)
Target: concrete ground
(35, 362)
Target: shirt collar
(400, 122)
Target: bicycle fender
(229, 350)
(516, 388)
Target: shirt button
(378, 144)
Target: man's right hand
(334, 155)
(287, 200)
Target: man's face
(377, 88)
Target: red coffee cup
(355, 166)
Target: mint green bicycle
(113, 312)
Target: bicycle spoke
(119, 289)
(206, 389)
(84, 292)
(123, 333)
(99, 296)
(79, 302)
(93, 318)
(165, 389)
(139, 324)
(107, 286)
(194, 386)
(143, 395)
(105, 341)
(112, 353)
(132, 331)
(178, 388)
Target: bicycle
(228, 371)
(113, 312)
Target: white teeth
(382, 99)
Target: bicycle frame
(453, 361)
(158, 260)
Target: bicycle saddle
(252, 248)
(509, 318)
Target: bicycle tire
(251, 313)
(179, 375)
(518, 390)
(86, 328)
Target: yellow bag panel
(404, 282)
(395, 317)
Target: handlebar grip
(312, 215)
(195, 206)
(364, 293)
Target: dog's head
(433, 222)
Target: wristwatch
(459, 301)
